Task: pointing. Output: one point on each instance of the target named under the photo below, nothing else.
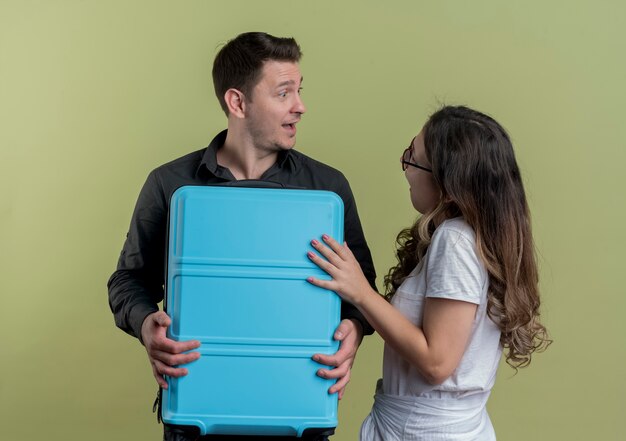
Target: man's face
(275, 107)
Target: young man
(257, 81)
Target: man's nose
(298, 106)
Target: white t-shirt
(451, 269)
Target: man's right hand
(163, 352)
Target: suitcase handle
(257, 183)
(253, 183)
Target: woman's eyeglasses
(405, 161)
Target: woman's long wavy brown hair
(474, 166)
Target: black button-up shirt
(137, 285)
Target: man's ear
(235, 101)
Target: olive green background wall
(95, 94)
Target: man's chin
(286, 145)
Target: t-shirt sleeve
(453, 267)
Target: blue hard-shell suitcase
(236, 281)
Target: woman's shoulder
(454, 268)
(455, 228)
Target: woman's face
(422, 186)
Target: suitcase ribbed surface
(236, 281)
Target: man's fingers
(162, 319)
(337, 373)
(158, 377)
(344, 329)
(341, 373)
(170, 371)
(335, 359)
(340, 385)
(175, 347)
(187, 345)
(175, 359)
(165, 353)
(327, 360)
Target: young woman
(464, 289)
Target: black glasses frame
(406, 155)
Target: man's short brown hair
(239, 63)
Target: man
(257, 81)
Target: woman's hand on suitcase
(164, 354)
(348, 280)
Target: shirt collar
(286, 158)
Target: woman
(465, 286)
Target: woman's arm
(435, 349)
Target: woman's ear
(235, 102)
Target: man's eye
(282, 94)
(299, 90)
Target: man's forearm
(131, 301)
(349, 311)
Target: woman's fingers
(326, 284)
(337, 248)
(325, 251)
(335, 252)
(323, 264)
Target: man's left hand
(349, 334)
